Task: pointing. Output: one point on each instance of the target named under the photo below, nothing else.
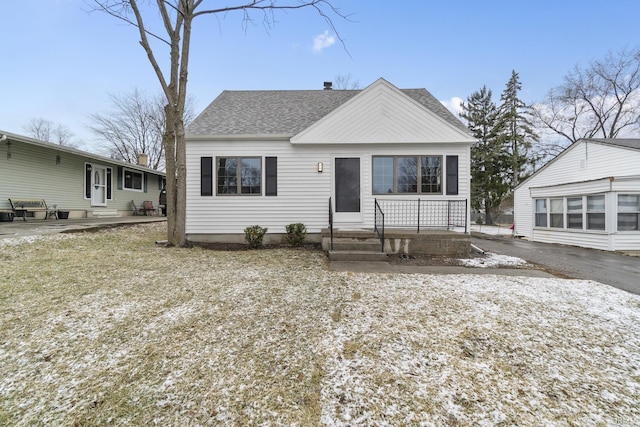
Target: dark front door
(347, 181)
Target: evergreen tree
(518, 129)
(489, 159)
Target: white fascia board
(239, 137)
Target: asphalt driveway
(611, 268)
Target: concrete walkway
(35, 227)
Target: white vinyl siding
(302, 192)
(58, 177)
(584, 170)
(380, 114)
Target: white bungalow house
(273, 158)
(589, 196)
(80, 183)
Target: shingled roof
(633, 143)
(287, 112)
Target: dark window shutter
(87, 181)
(119, 178)
(271, 173)
(145, 178)
(109, 184)
(206, 176)
(452, 175)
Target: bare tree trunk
(181, 184)
(169, 141)
(177, 17)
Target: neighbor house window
(574, 212)
(595, 213)
(541, 212)
(133, 180)
(407, 174)
(556, 213)
(628, 211)
(239, 175)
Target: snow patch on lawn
(186, 336)
(26, 240)
(493, 260)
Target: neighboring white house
(273, 158)
(589, 196)
(82, 183)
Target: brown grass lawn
(107, 328)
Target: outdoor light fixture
(320, 166)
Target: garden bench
(20, 207)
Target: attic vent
(328, 85)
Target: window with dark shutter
(206, 176)
(452, 175)
(87, 181)
(271, 173)
(109, 189)
(119, 177)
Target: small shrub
(254, 234)
(296, 233)
(479, 221)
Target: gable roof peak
(289, 112)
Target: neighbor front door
(99, 186)
(347, 189)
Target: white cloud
(323, 41)
(454, 105)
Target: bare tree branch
(47, 131)
(177, 17)
(601, 100)
(135, 125)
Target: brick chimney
(143, 160)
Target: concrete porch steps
(432, 242)
(357, 245)
(110, 213)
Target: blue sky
(60, 62)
